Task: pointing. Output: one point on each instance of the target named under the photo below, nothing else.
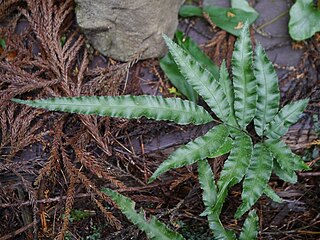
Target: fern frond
(158, 108)
(244, 81)
(287, 116)
(238, 161)
(286, 161)
(199, 149)
(223, 149)
(284, 174)
(208, 186)
(250, 227)
(220, 233)
(284, 156)
(227, 87)
(268, 191)
(153, 228)
(201, 80)
(267, 90)
(256, 179)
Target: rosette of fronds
(252, 95)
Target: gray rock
(219, 3)
(123, 28)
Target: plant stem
(275, 19)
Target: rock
(123, 29)
(219, 3)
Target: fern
(158, 108)
(244, 81)
(153, 228)
(253, 95)
(194, 151)
(250, 227)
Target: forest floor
(53, 165)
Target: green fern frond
(238, 161)
(256, 179)
(227, 87)
(199, 149)
(267, 90)
(154, 107)
(153, 228)
(244, 81)
(201, 80)
(250, 227)
(220, 233)
(287, 116)
(208, 186)
(268, 191)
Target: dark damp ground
(53, 147)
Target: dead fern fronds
(19, 129)
(91, 163)
(91, 188)
(68, 207)
(7, 6)
(49, 20)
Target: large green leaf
(304, 19)
(153, 228)
(230, 19)
(250, 227)
(208, 186)
(201, 80)
(256, 179)
(199, 149)
(172, 71)
(190, 11)
(287, 116)
(267, 89)
(238, 161)
(243, 5)
(244, 81)
(158, 108)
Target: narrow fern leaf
(287, 176)
(284, 156)
(208, 186)
(201, 80)
(287, 116)
(222, 194)
(267, 90)
(153, 228)
(227, 87)
(225, 148)
(256, 179)
(154, 107)
(238, 161)
(199, 149)
(268, 191)
(244, 81)
(220, 233)
(250, 227)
